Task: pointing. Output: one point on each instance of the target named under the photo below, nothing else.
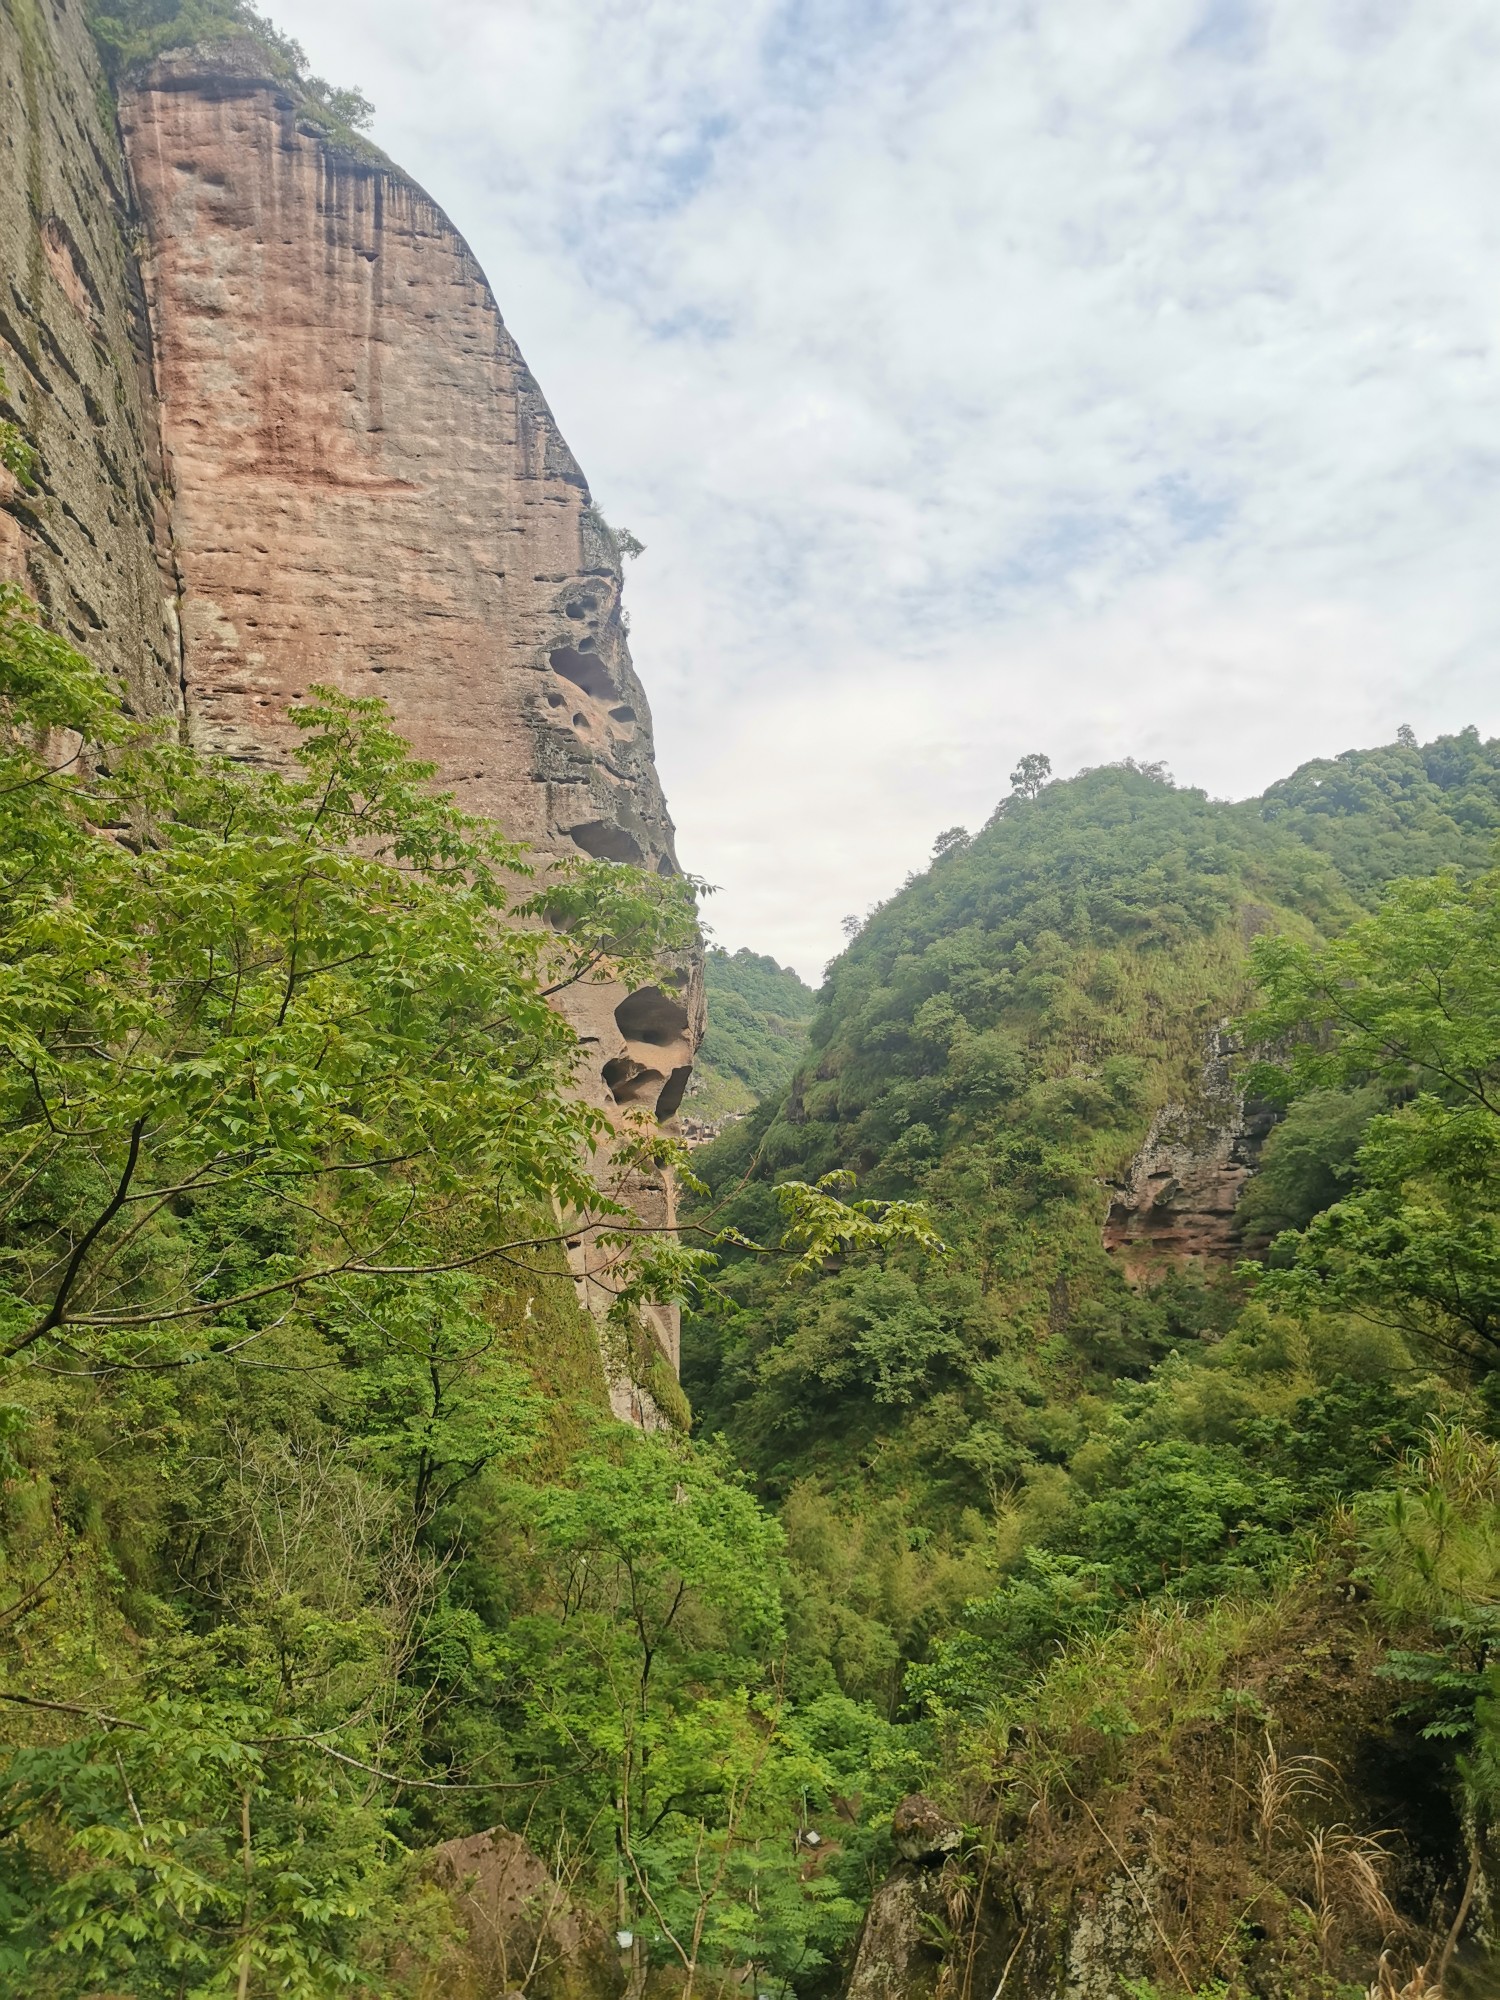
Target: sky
(988, 376)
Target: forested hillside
(758, 1015)
(329, 1584)
(318, 1548)
(1072, 1520)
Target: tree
(1408, 999)
(646, 1664)
(308, 991)
(1031, 774)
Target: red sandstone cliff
(368, 487)
(287, 438)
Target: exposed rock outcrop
(522, 1931)
(369, 491)
(89, 543)
(906, 1948)
(1307, 1824)
(1177, 1201)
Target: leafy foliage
(1408, 999)
(316, 1545)
(996, 1041)
(758, 1012)
(16, 455)
(290, 993)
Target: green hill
(997, 1040)
(758, 1015)
(1060, 1524)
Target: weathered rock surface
(522, 1931)
(1177, 1202)
(1142, 1863)
(898, 1957)
(369, 488)
(921, 1903)
(369, 491)
(922, 1831)
(90, 542)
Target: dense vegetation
(758, 1016)
(130, 32)
(317, 1544)
(1016, 1486)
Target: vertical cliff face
(89, 542)
(368, 486)
(369, 490)
(285, 438)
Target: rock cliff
(89, 540)
(285, 437)
(1176, 1204)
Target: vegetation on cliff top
(131, 32)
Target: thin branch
(112, 1207)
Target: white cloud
(985, 377)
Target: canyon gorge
(1025, 1527)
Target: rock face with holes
(369, 491)
(88, 538)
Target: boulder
(521, 1928)
(923, 1832)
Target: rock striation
(89, 539)
(368, 488)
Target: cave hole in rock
(580, 722)
(556, 700)
(585, 670)
(606, 841)
(631, 1082)
(672, 1094)
(648, 1015)
(624, 713)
